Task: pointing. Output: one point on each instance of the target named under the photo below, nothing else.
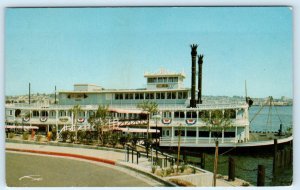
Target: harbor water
(246, 164)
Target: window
(167, 133)
(160, 80)
(203, 114)
(166, 114)
(179, 114)
(179, 95)
(162, 95)
(165, 79)
(230, 113)
(173, 95)
(147, 96)
(191, 133)
(229, 134)
(157, 95)
(151, 95)
(203, 133)
(175, 79)
(191, 114)
(151, 80)
(128, 96)
(216, 114)
(139, 96)
(182, 132)
(119, 96)
(170, 79)
(169, 95)
(10, 112)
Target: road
(27, 170)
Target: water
(246, 165)
(260, 122)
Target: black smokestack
(200, 62)
(29, 93)
(193, 90)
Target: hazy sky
(113, 47)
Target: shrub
(54, 136)
(25, 136)
(64, 135)
(114, 138)
(11, 135)
(245, 184)
(182, 168)
(123, 140)
(38, 138)
(153, 168)
(71, 136)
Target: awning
(127, 111)
(138, 130)
(20, 127)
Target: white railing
(192, 140)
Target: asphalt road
(25, 170)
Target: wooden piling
(275, 158)
(202, 160)
(231, 169)
(282, 158)
(261, 175)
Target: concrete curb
(65, 145)
(165, 182)
(64, 155)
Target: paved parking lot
(26, 170)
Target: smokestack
(55, 95)
(193, 90)
(200, 62)
(29, 94)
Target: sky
(113, 47)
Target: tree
(75, 111)
(150, 108)
(100, 120)
(217, 123)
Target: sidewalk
(106, 156)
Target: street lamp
(156, 117)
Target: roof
(20, 127)
(138, 130)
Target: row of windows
(162, 79)
(230, 113)
(151, 95)
(204, 134)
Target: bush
(25, 136)
(153, 169)
(11, 135)
(38, 138)
(114, 138)
(182, 168)
(64, 135)
(53, 135)
(71, 136)
(123, 140)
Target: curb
(70, 145)
(165, 182)
(64, 154)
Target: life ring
(26, 119)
